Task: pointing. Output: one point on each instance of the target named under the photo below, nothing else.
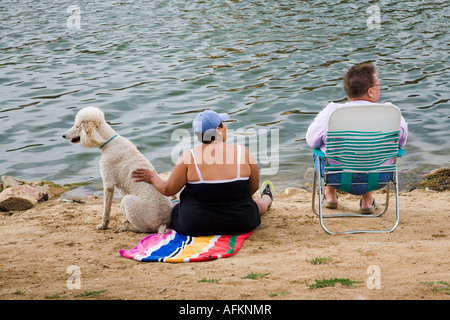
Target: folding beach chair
(360, 138)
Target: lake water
(152, 65)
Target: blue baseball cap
(208, 120)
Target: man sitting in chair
(361, 85)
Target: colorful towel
(175, 247)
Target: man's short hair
(359, 79)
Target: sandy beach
(39, 246)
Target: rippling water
(152, 65)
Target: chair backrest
(365, 117)
(362, 137)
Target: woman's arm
(172, 185)
(253, 182)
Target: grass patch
(209, 280)
(55, 296)
(331, 283)
(319, 260)
(255, 276)
(281, 293)
(86, 294)
(439, 286)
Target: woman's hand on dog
(145, 175)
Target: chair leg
(321, 213)
(397, 206)
(321, 216)
(320, 201)
(386, 205)
(313, 198)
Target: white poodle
(143, 206)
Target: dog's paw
(125, 228)
(102, 226)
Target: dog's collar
(107, 141)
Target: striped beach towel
(175, 247)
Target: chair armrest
(319, 153)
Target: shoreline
(41, 246)
(408, 181)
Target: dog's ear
(89, 136)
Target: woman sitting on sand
(219, 180)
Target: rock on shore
(438, 180)
(17, 194)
